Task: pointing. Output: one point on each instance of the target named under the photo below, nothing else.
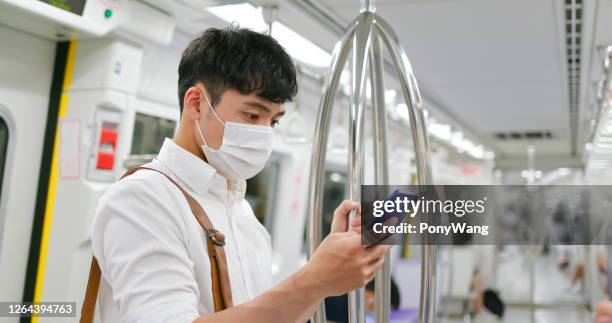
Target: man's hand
(339, 265)
(342, 263)
(578, 273)
(601, 264)
(341, 214)
(603, 312)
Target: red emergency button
(106, 150)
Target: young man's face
(235, 107)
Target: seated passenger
(489, 308)
(336, 308)
(370, 296)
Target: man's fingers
(340, 220)
(603, 319)
(604, 308)
(355, 237)
(376, 265)
(356, 225)
(346, 206)
(392, 221)
(377, 252)
(393, 239)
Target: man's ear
(192, 103)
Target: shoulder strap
(221, 287)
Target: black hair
(493, 303)
(395, 295)
(239, 59)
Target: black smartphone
(372, 238)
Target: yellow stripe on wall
(50, 204)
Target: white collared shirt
(153, 253)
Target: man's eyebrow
(258, 105)
(261, 106)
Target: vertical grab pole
(358, 36)
(421, 146)
(317, 165)
(382, 303)
(361, 45)
(367, 5)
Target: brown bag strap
(91, 294)
(221, 287)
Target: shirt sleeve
(138, 237)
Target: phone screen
(389, 218)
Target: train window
(261, 192)
(4, 136)
(149, 133)
(334, 193)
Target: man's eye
(274, 123)
(251, 116)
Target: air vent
(573, 32)
(526, 135)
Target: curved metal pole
(368, 5)
(315, 189)
(361, 30)
(421, 147)
(382, 302)
(361, 48)
(412, 96)
(602, 91)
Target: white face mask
(244, 151)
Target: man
(603, 312)
(336, 308)
(370, 296)
(151, 250)
(488, 306)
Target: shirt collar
(198, 174)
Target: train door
(27, 70)
(91, 136)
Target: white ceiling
(493, 65)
